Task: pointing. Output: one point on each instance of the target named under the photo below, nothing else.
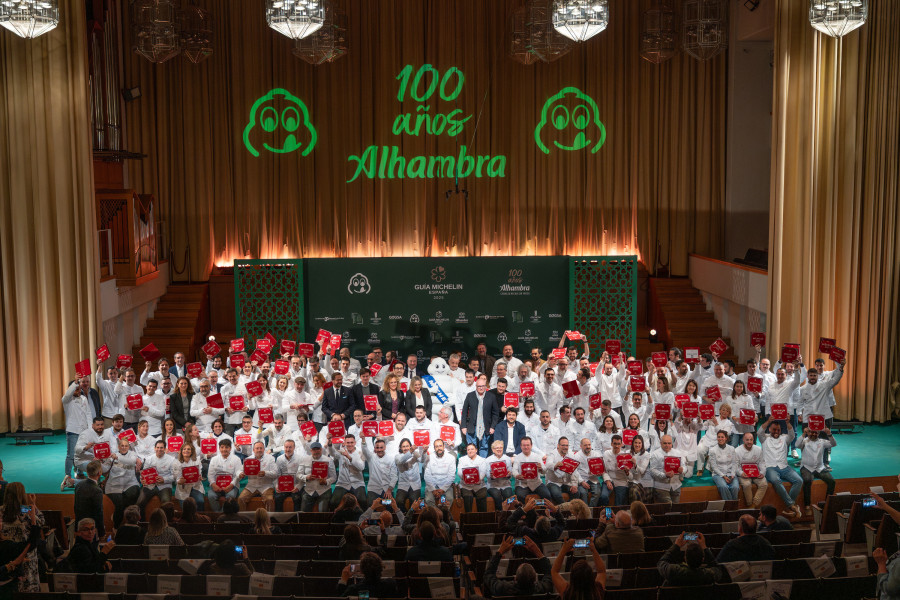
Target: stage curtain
(50, 307)
(657, 183)
(834, 229)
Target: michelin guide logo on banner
(437, 289)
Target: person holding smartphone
(619, 535)
(582, 578)
(530, 578)
(690, 562)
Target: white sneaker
(795, 454)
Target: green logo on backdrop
(571, 127)
(283, 122)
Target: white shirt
(781, 393)
(276, 438)
(529, 422)
(290, 414)
(658, 470)
(536, 457)
(752, 456)
(612, 471)
(288, 466)
(265, 479)
(122, 474)
(182, 491)
(146, 376)
(775, 450)
(227, 392)
(89, 436)
(440, 471)
(204, 421)
(255, 436)
(79, 415)
(545, 439)
(503, 482)
(123, 390)
(383, 473)
(409, 470)
(459, 397)
(225, 466)
(583, 470)
(314, 486)
(548, 397)
(457, 435)
(608, 385)
(156, 412)
(164, 470)
(723, 461)
(468, 463)
(816, 399)
(110, 400)
(814, 452)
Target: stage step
(179, 323)
(679, 314)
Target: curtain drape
(834, 260)
(657, 182)
(50, 309)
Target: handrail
(730, 264)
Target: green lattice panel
(268, 297)
(603, 294)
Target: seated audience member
(888, 582)
(262, 524)
(430, 547)
(527, 522)
(87, 556)
(385, 516)
(689, 563)
(189, 513)
(353, 545)
(130, 533)
(620, 535)
(225, 561)
(584, 582)
(370, 567)
(749, 545)
(529, 580)
(640, 516)
(230, 510)
(13, 555)
(159, 533)
(770, 520)
(576, 508)
(347, 510)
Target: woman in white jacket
(711, 429)
(409, 470)
(266, 400)
(476, 489)
(640, 483)
(499, 488)
(121, 483)
(187, 457)
(685, 441)
(740, 400)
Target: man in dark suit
(358, 393)
(337, 400)
(475, 432)
(179, 369)
(510, 429)
(412, 367)
(89, 497)
(485, 361)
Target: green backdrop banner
(436, 305)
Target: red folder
(308, 428)
(336, 429)
(758, 339)
(471, 476)
(282, 367)
(323, 335)
(713, 392)
(662, 412)
(499, 470)
(680, 399)
(134, 401)
(318, 469)
(194, 370)
(624, 461)
(570, 388)
(251, 466)
(690, 410)
(448, 434)
(211, 348)
(150, 352)
(779, 411)
(816, 422)
(191, 474)
(208, 446)
(259, 357)
(334, 342)
(719, 346)
(128, 435)
(235, 345)
(748, 416)
(101, 450)
(421, 437)
(375, 369)
(634, 367)
(223, 480)
(370, 428)
(529, 471)
(573, 335)
(638, 384)
(837, 354)
(750, 470)
(243, 439)
(287, 346)
(511, 400)
(558, 353)
(123, 361)
(628, 436)
(526, 389)
(236, 403)
(755, 385)
(82, 368)
(659, 359)
(265, 345)
(596, 466)
(672, 464)
(306, 350)
(789, 354)
(595, 401)
(150, 476)
(174, 443)
(266, 415)
(371, 402)
(254, 388)
(692, 355)
(285, 484)
(593, 367)
(707, 411)
(826, 344)
(567, 465)
(102, 353)
(613, 347)
(385, 428)
(238, 361)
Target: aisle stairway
(179, 323)
(679, 314)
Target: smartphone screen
(387, 501)
(539, 503)
(373, 521)
(26, 509)
(109, 538)
(582, 543)
(867, 502)
(609, 513)
(690, 537)
(519, 542)
(421, 504)
(443, 499)
(510, 500)
(239, 549)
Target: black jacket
(359, 398)
(85, 557)
(491, 410)
(89, 504)
(432, 550)
(410, 408)
(746, 547)
(337, 401)
(508, 587)
(527, 528)
(675, 571)
(177, 410)
(384, 399)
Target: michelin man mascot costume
(441, 385)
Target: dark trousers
(808, 476)
(122, 501)
(541, 490)
(500, 496)
(280, 497)
(410, 494)
(480, 496)
(340, 492)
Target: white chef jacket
(440, 471)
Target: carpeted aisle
(873, 453)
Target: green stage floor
(873, 453)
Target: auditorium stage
(873, 453)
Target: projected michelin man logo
(359, 284)
(571, 120)
(283, 125)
